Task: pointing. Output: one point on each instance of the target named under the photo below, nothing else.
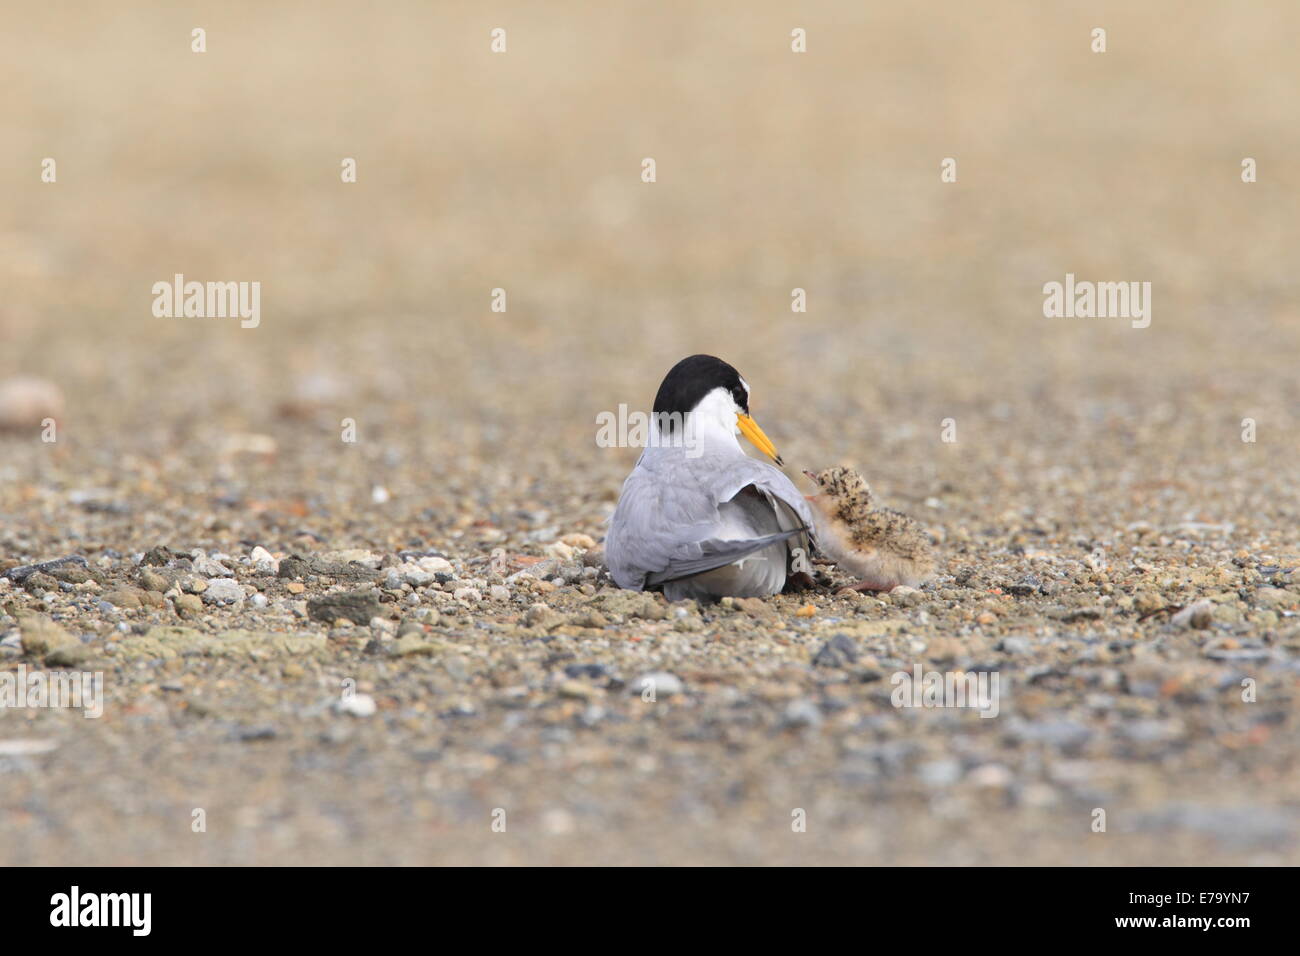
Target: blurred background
(522, 171)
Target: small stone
(944, 649)
(294, 566)
(263, 561)
(40, 582)
(254, 733)
(1276, 598)
(540, 615)
(904, 596)
(579, 540)
(1147, 602)
(158, 557)
(360, 556)
(1026, 586)
(20, 574)
(355, 606)
(26, 401)
(558, 549)
(26, 747)
(69, 655)
(1197, 615)
(755, 607)
(151, 580)
(589, 618)
(295, 587)
(1227, 614)
(1015, 644)
(208, 567)
(801, 713)
(939, 773)
(40, 635)
(412, 574)
(498, 593)
(188, 604)
(467, 595)
(415, 645)
(633, 604)
(590, 671)
(258, 600)
(991, 776)
(356, 705)
(436, 565)
(223, 591)
(578, 690)
(123, 598)
(656, 685)
(840, 651)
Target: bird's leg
(800, 581)
(866, 585)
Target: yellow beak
(749, 428)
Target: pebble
(840, 651)
(263, 561)
(801, 713)
(1198, 614)
(540, 615)
(209, 567)
(26, 747)
(1015, 644)
(188, 604)
(357, 705)
(661, 683)
(579, 690)
(1276, 598)
(123, 598)
(435, 565)
(25, 402)
(151, 580)
(40, 635)
(224, 591)
(355, 606)
(939, 773)
(904, 596)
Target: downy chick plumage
(882, 547)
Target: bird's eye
(740, 398)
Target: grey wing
(712, 554)
(667, 522)
(650, 524)
(792, 509)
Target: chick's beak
(749, 428)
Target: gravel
(205, 535)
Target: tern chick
(884, 548)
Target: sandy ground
(1098, 488)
